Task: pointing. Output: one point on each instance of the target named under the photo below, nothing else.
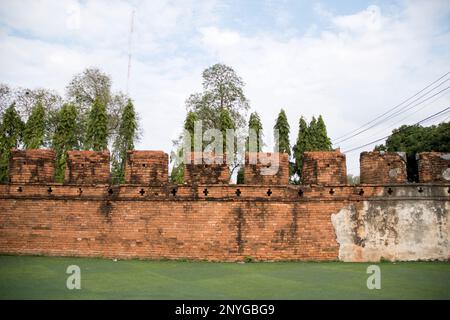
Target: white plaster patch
(400, 230)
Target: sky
(348, 61)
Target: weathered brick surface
(380, 167)
(33, 165)
(259, 168)
(126, 224)
(87, 167)
(206, 168)
(146, 167)
(219, 225)
(434, 167)
(324, 167)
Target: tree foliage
(312, 137)
(34, 133)
(11, 133)
(124, 141)
(222, 88)
(282, 125)
(255, 125)
(225, 123)
(90, 85)
(415, 138)
(97, 127)
(65, 137)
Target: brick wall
(31, 166)
(87, 167)
(324, 167)
(206, 168)
(380, 167)
(219, 225)
(434, 167)
(146, 167)
(259, 169)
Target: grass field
(45, 278)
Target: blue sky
(346, 60)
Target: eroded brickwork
(32, 166)
(206, 168)
(146, 167)
(324, 167)
(434, 167)
(380, 167)
(87, 167)
(266, 168)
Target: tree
(282, 125)
(86, 87)
(34, 133)
(225, 123)
(322, 139)
(222, 88)
(255, 125)
(124, 141)
(303, 144)
(65, 137)
(312, 134)
(177, 173)
(96, 128)
(11, 132)
(93, 84)
(415, 138)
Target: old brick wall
(87, 167)
(380, 167)
(324, 167)
(32, 166)
(434, 167)
(287, 223)
(206, 168)
(263, 171)
(146, 167)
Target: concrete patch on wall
(393, 230)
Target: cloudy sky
(349, 61)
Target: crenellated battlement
(151, 168)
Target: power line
(404, 108)
(423, 120)
(393, 124)
(395, 107)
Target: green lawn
(45, 278)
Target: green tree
(302, 144)
(415, 138)
(322, 139)
(97, 127)
(282, 125)
(124, 141)
(255, 124)
(225, 123)
(177, 173)
(222, 88)
(34, 133)
(93, 84)
(65, 137)
(312, 135)
(11, 132)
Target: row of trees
(92, 117)
(222, 105)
